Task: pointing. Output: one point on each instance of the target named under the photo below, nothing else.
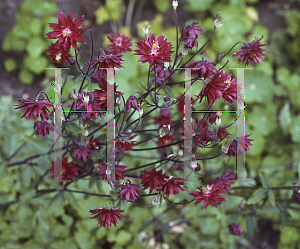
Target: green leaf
(36, 47)
(27, 195)
(43, 161)
(285, 117)
(167, 103)
(258, 195)
(102, 15)
(10, 64)
(69, 196)
(295, 129)
(114, 195)
(79, 78)
(271, 197)
(162, 6)
(27, 176)
(143, 86)
(198, 5)
(36, 64)
(251, 225)
(74, 127)
(35, 26)
(25, 76)
(264, 180)
(123, 237)
(126, 139)
(38, 143)
(169, 91)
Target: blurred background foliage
(272, 91)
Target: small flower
(203, 69)
(235, 228)
(209, 195)
(123, 145)
(82, 152)
(232, 89)
(218, 20)
(175, 4)
(42, 128)
(67, 31)
(69, 170)
(106, 61)
(129, 191)
(190, 34)
(239, 146)
(107, 216)
(58, 53)
(251, 52)
(37, 107)
(119, 171)
(170, 185)
(120, 43)
(154, 51)
(214, 89)
(133, 102)
(224, 181)
(150, 179)
(93, 144)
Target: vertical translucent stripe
(187, 123)
(110, 126)
(57, 130)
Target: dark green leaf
(168, 89)
(78, 79)
(285, 117)
(258, 195)
(38, 143)
(74, 127)
(265, 182)
(271, 197)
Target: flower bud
(141, 111)
(185, 51)
(118, 100)
(166, 65)
(166, 98)
(218, 121)
(155, 201)
(180, 153)
(175, 4)
(72, 61)
(225, 146)
(194, 164)
(164, 130)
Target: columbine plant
(158, 54)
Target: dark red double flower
(123, 145)
(190, 34)
(106, 216)
(120, 43)
(128, 191)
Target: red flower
(129, 191)
(209, 136)
(224, 181)
(107, 216)
(169, 185)
(215, 87)
(58, 53)
(133, 102)
(82, 152)
(235, 228)
(164, 118)
(68, 169)
(67, 31)
(160, 74)
(42, 128)
(119, 171)
(190, 34)
(107, 61)
(222, 132)
(231, 90)
(154, 51)
(251, 52)
(209, 195)
(125, 145)
(202, 69)
(93, 144)
(151, 178)
(120, 43)
(241, 142)
(35, 108)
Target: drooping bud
(164, 130)
(185, 51)
(194, 164)
(175, 4)
(225, 146)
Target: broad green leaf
(27, 176)
(79, 78)
(69, 196)
(271, 197)
(38, 143)
(36, 64)
(258, 195)
(10, 64)
(74, 127)
(29, 194)
(162, 6)
(285, 117)
(123, 237)
(35, 48)
(102, 15)
(264, 180)
(25, 76)
(295, 129)
(35, 26)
